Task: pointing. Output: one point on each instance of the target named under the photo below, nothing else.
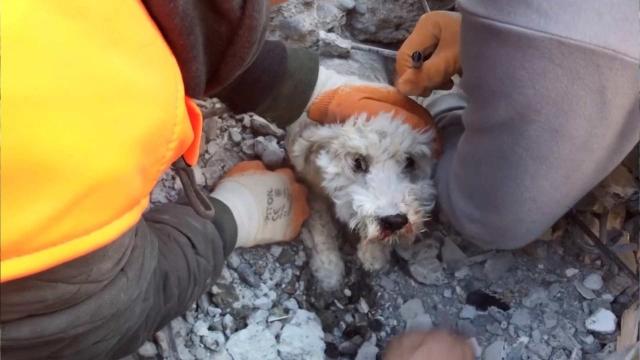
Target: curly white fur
(324, 156)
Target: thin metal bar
(602, 247)
(374, 49)
(425, 5)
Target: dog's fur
(325, 155)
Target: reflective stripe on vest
(93, 112)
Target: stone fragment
(333, 45)
(593, 282)
(302, 338)
(521, 318)
(570, 272)
(235, 135)
(468, 312)
(269, 152)
(263, 127)
(214, 340)
(428, 271)
(368, 350)
(582, 290)
(602, 321)
(452, 256)
(411, 309)
(148, 350)
(421, 322)
(536, 297)
(253, 342)
(498, 265)
(496, 351)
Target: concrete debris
(496, 351)
(521, 318)
(334, 45)
(411, 309)
(603, 321)
(498, 265)
(302, 338)
(468, 312)
(452, 256)
(253, 342)
(421, 322)
(368, 350)
(593, 282)
(584, 291)
(267, 148)
(570, 272)
(536, 296)
(148, 350)
(263, 127)
(428, 271)
(383, 21)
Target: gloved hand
(436, 344)
(436, 34)
(339, 104)
(268, 206)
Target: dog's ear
(309, 144)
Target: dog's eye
(410, 163)
(360, 164)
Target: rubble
(302, 338)
(593, 282)
(602, 321)
(246, 343)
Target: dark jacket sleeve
(221, 51)
(106, 304)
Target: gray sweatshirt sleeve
(552, 90)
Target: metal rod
(374, 49)
(425, 5)
(601, 246)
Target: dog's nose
(393, 222)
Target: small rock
(264, 127)
(258, 317)
(428, 271)
(235, 135)
(302, 338)
(496, 351)
(214, 340)
(462, 273)
(229, 324)
(602, 321)
(362, 306)
(201, 354)
(269, 152)
(275, 250)
(368, 350)
(550, 319)
(253, 342)
(498, 265)
(333, 45)
(346, 5)
(468, 312)
(521, 318)
(233, 260)
(348, 347)
(201, 328)
(248, 147)
(593, 282)
(582, 290)
(148, 349)
(541, 349)
(263, 303)
(448, 293)
(411, 309)
(452, 256)
(494, 328)
(421, 322)
(535, 297)
(290, 304)
(275, 327)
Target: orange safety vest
(93, 112)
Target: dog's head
(377, 171)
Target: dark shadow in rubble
(482, 301)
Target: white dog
(375, 173)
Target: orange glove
(421, 345)
(339, 104)
(268, 206)
(437, 34)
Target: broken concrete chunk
(428, 271)
(411, 309)
(421, 322)
(148, 350)
(582, 290)
(302, 338)
(570, 272)
(253, 342)
(602, 321)
(521, 318)
(452, 256)
(468, 312)
(496, 351)
(368, 350)
(333, 45)
(269, 151)
(593, 282)
(263, 127)
(498, 265)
